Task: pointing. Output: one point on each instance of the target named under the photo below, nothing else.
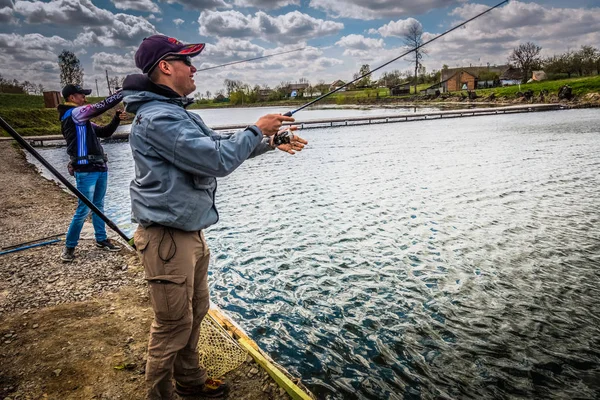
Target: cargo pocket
(168, 294)
(140, 240)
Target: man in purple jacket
(88, 161)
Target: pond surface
(432, 259)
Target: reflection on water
(432, 259)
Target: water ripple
(433, 259)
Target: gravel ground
(33, 208)
(66, 327)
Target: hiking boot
(107, 245)
(68, 254)
(212, 388)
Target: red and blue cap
(156, 47)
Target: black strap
(91, 157)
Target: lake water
(433, 259)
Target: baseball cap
(72, 89)
(156, 47)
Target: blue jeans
(93, 186)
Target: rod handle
(288, 114)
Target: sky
(337, 36)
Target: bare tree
(527, 58)
(115, 82)
(414, 38)
(232, 86)
(70, 68)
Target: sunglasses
(187, 60)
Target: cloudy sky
(338, 36)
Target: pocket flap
(140, 241)
(177, 279)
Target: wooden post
(51, 99)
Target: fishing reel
(283, 137)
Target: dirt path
(78, 330)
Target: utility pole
(97, 92)
(108, 83)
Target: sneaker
(212, 388)
(107, 245)
(68, 254)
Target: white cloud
(266, 4)
(124, 30)
(63, 12)
(31, 57)
(201, 5)
(376, 9)
(397, 28)
(358, 45)
(115, 64)
(32, 46)
(7, 16)
(491, 38)
(99, 26)
(288, 28)
(178, 21)
(309, 62)
(138, 5)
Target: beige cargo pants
(176, 266)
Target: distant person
(88, 160)
(177, 160)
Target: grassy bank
(580, 86)
(26, 113)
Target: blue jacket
(178, 158)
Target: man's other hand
(271, 123)
(296, 143)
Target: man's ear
(165, 67)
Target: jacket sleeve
(84, 113)
(107, 130)
(262, 148)
(191, 148)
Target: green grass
(27, 115)
(23, 101)
(580, 86)
(31, 122)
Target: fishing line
(64, 180)
(290, 113)
(249, 59)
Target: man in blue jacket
(88, 161)
(177, 160)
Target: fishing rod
(64, 180)
(249, 59)
(12, 246)
(290, 113)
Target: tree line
(16, 87)
(582, 62)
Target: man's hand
(296, 143)
(122, 115)
(271, 123)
